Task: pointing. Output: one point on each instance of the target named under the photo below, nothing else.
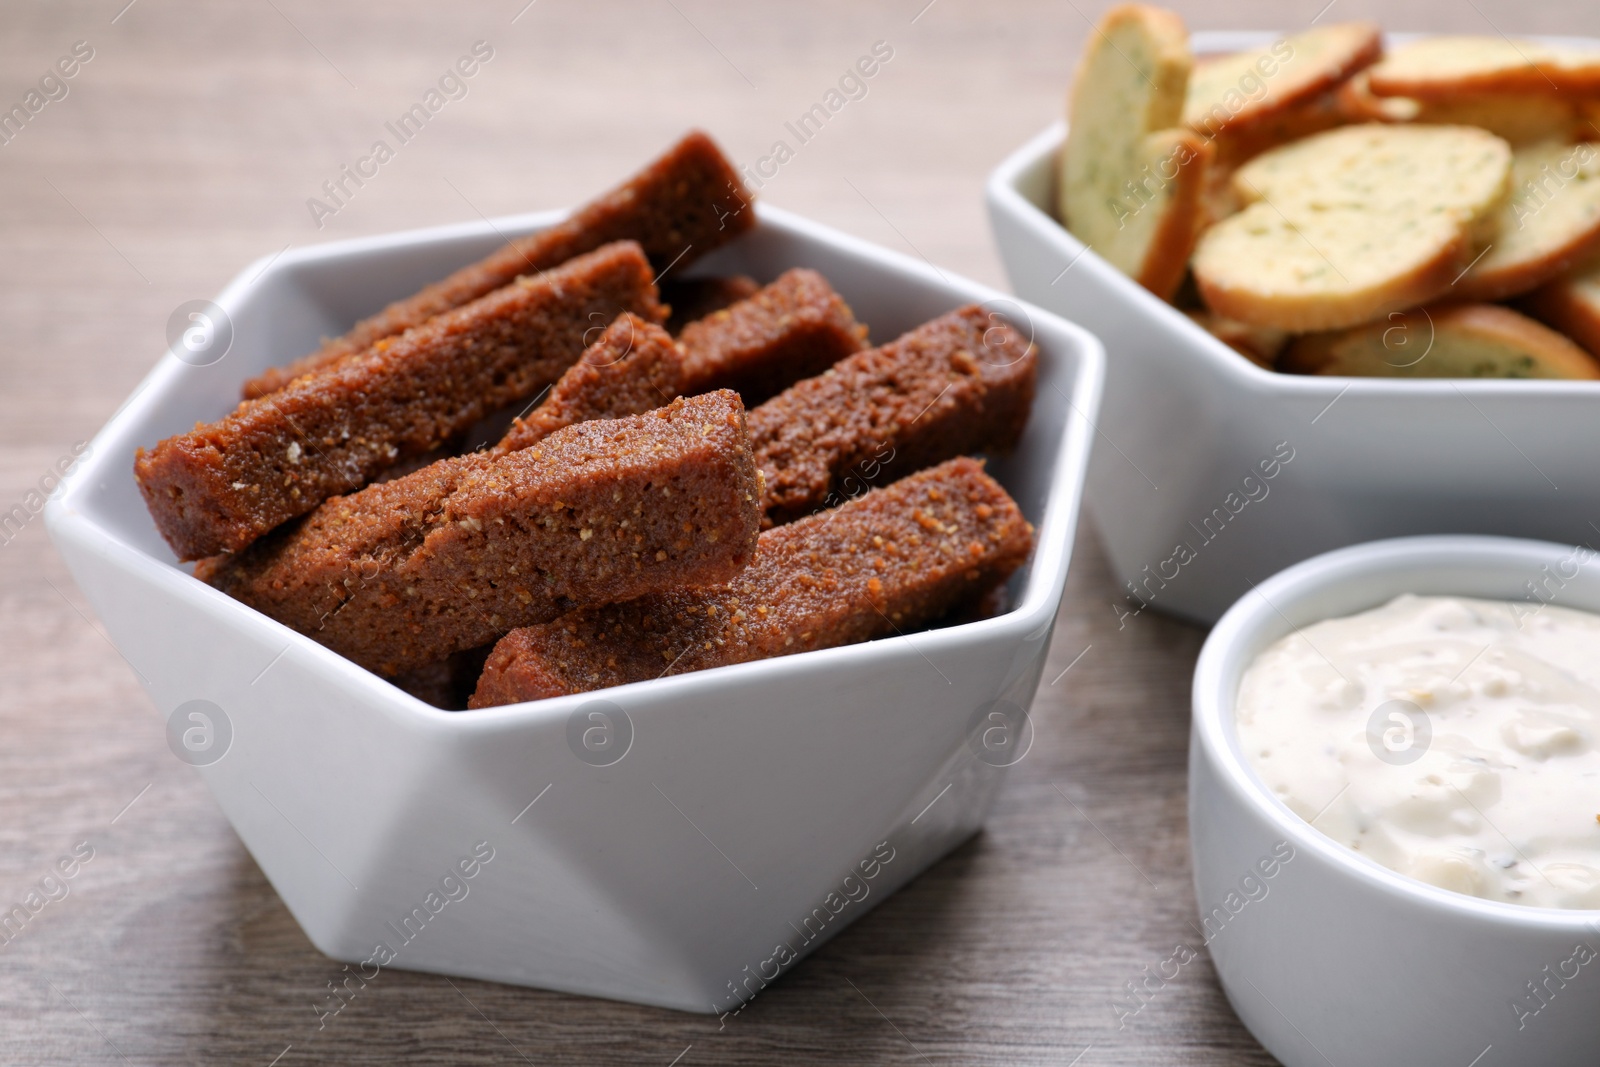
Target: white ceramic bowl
(1340, 960)
(751, 807)
(1186, 419)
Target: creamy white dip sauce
(1502, 801)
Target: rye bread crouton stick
(633, 368)
(794, 328)
(882, 564)
(961, 383)
(404, 573)
(223, 484)
(686, 203)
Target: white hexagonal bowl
(749, 819)
(1186, 420)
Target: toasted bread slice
(1130, 175)
(1550, 223)
(1517, 118)
(1572, 305)
(1444, 341)
(1323, 269)
(1234, 92)
(1344, 226)
(1444, 67)
(1167, 226)
(1259, 344)
(1460, 170)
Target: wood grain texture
(186, 148)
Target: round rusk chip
(1550, 222)
(1130, 175)
(1518, 118)
(1344, 226)
(1238, 90)
(1298, 270)
(1461, 170)
(1445, 67)
(1444, 341)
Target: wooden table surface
(188, 145)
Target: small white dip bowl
(1334, 959)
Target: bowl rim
(1003, 191)
(1214, 737)
(1034, 612)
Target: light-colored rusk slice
(1239, 90)
(1550, 222)
(1518, 118)
(1130, 177)
(1344, 226)
(1572, 305)
(1444, 67)
(1458, 169)
(1259, 344)
(1322, 269)
(1445, 341)
(1573, 70)
(1165, 225)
